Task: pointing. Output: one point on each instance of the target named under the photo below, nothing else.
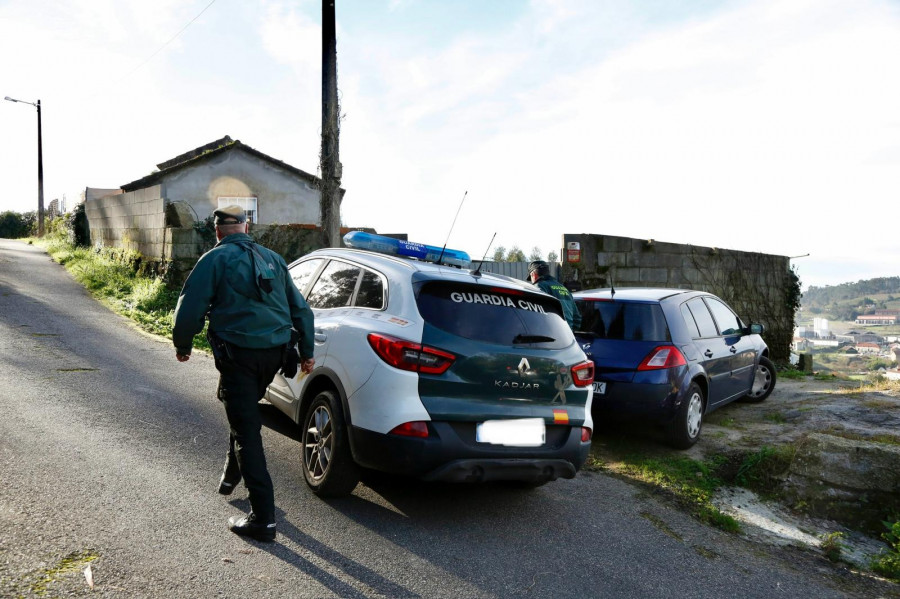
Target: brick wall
(758, 286)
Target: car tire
(763, 382)
(688, 419)
(325, 456)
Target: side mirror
(757, 329)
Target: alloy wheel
(318, 443)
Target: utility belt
(290, 355)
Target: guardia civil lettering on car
(429, 368)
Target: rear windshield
(493, 314)
(624, 320)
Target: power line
(171, 39)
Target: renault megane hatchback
(671, 356)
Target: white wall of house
(282, 196)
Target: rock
(847, 479)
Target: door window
(728, 323)
(705, 323)
(301, 273)
(335, 286)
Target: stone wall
(760, 287)
(185, 245)
(134, 220)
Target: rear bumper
(477, 471)
(644, 400)
(451, 454)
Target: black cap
(539, 266)
(230, 215)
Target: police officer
(539, 275)
(246, 292)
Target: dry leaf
(227, 560)
(89, 576)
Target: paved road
(111, 448)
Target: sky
(757, 125)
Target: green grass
(689, 482)
(114, 277)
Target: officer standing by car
(539, 275)
(252, 304)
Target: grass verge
(114, 277)
(690, 483)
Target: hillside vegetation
(848, 300)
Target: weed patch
(689, 482)
(72, 563)
(888, 563)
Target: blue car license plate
(599, 388)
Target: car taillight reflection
(583, 374)
(664, 356)
(407, 355)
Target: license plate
(599, 388)
(520, 432)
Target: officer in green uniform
(539, 274)
(252, 304)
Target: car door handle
(320, 337)
(708, 353)
(733, 349)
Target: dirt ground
(797, 407)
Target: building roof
(206, 152)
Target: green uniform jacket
(223, 286)
(551, 286)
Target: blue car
(670, 356)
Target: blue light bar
(397, 247)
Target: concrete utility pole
(330, 165)
(40, 165)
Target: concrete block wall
(134, 220)
(756, 285)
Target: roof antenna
(612, 289)
(477, 272)
(441, 257)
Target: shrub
(888, 563)
(14, 225)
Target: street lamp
(40, 166)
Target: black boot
(249, 526)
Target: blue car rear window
(625, 321)
(494, 315)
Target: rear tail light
(407, 355)
(665, 356)
(413, 429)
(583, 374)
(585, 434)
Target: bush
(888, 563)
(14, 225)
(78, 230)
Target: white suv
(434, 371)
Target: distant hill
(848, 300)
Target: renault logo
(524, 367)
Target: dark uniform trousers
(243, 377)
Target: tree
(535, 254)
(14, 224)
(515, 254)
(499, 253)
(552, 257)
